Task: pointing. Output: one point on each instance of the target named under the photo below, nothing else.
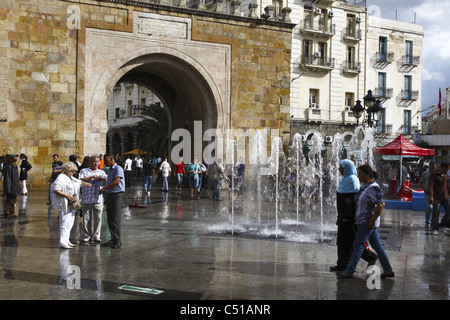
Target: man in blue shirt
(114, 190)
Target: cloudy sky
(434, 16)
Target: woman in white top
(65, 189)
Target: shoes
(427, 226)
(447, 230)
(436, 232)
(11, 217)
(86, 240)
(112, 244)
(97, 240)
(389, 274)
(343, 275)
(116, 245)
(107, 244)
(67, 246)
(336, 268)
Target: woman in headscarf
(347, 189)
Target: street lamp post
(371, 107)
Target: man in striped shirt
(92, 200)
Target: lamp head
(358, 109)
(369, 99)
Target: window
(407, 122)
(381, 125)
(351, 25)
(408, 87)
(323, 52)
(307, 51)
(349, 101)
(382, 48)
(408, 52)
(381, 85)
(313, 98)
(117, 115)
(351, 57)
(278, 4)
(130, 112)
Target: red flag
(439, 104)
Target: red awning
(402, 146)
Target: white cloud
(435, 76)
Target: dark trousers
(128, 177)
(114, 214)
(10, 205)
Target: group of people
(69, 195)
(359, 206)
(436, 186)
(14, 181)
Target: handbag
(75, 204)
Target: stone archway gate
(60, 59)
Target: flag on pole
(439, 104)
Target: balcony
(383, 59)
(384, 93)
(314, 113)
(351, 67)
(410, 95)
(317, 29)
(410, 60)
(325, 2)
(317, 63)
(352, 34)
(348, 117)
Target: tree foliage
(155, 126)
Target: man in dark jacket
(439, 195)
(11, 185)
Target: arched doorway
(185, 87)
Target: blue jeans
(428, 209)
(165, 184)
(216, 189)
(50, 191)
(193, 183)
(437, 210)
(363, 235)
(148, 180)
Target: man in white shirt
(139, 164)
(92, 200)
(128, 171)
(165, 172)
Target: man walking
(165, 172)
(128, 171)
(92, 200)
(424, 183)
(114, 190)
(439, 196)
(11, 186)
(219, 176)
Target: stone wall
(42, 59)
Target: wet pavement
(182, 249)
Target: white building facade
(339, 52)
(394, 74)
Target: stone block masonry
(42, 71)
